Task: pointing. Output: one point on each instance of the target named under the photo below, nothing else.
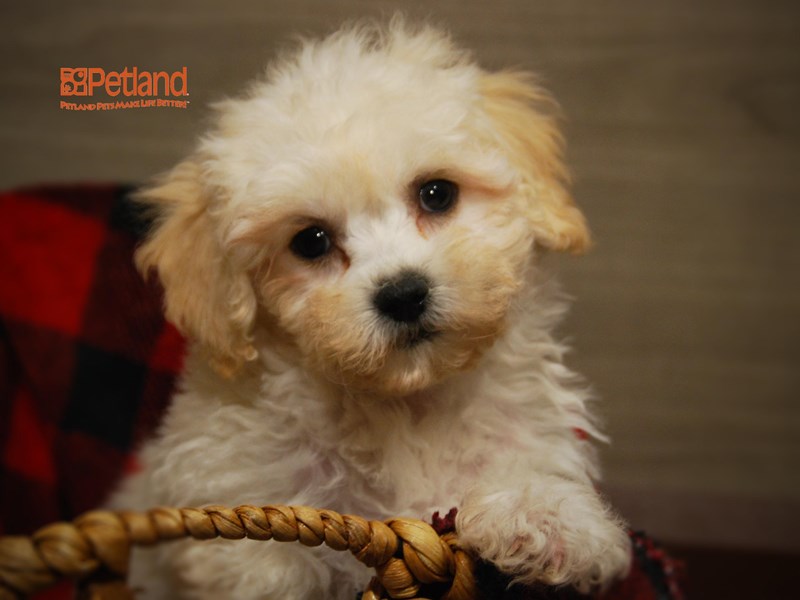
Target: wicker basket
(410, 559)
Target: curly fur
(296, 391)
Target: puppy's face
(375, 205)
(399, 269)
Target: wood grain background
(684, 131)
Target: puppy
(355, 253)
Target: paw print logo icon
(74, 81)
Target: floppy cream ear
(206, 298)
(517, 109)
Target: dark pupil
(311, 242)
(437, 195)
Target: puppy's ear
(521, 114)
(206, 298)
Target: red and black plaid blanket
(87, 365)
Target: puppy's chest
(409, 469)
(392, 478)
(306, 453)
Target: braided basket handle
(407, 555)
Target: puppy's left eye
(310, 243)
(438, 196)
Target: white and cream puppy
(354, 251)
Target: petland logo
(129, 88)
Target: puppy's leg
(551, 529)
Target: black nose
(403, 298)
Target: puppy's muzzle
(403, 298)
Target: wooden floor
(684, 132)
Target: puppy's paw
(563, 534)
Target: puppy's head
(374, 204)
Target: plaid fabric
(87, 362)
(87, 365)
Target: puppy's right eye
(438, 196)
(311, 243)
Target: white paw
(561, 535)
